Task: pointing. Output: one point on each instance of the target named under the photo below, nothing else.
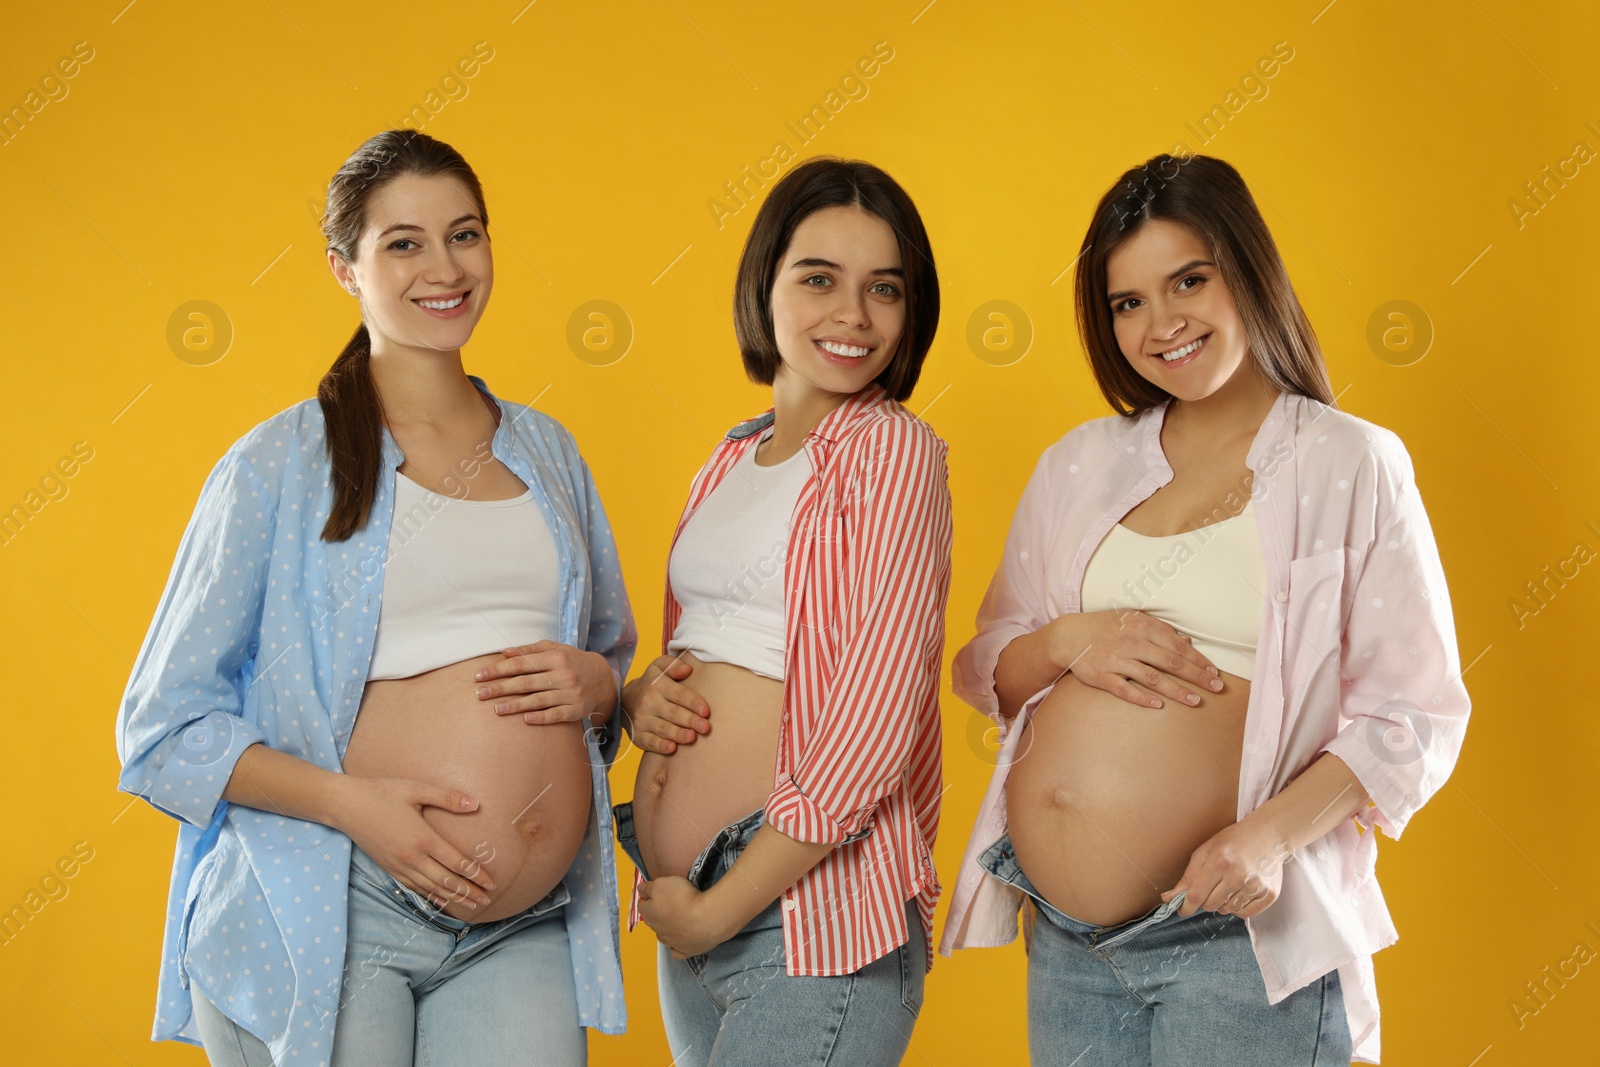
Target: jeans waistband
(714, 860)
(366, 868)
(1000, 860)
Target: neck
(798, 406)
(422, 385)
(1236, 409)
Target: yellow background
(187, 162)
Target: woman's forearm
(771, 863)
(1323, 796)
(1032, 662)
(269, 780)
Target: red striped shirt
(866, 581)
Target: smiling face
(838, 300)
(423, 268)
(1173, 316)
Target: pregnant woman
(1220, 650)
(788, 797)
(364, 573)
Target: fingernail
(483, 690)
(528, 719)
(502, 707)
(468, 802)
(480, 676)
(1215, 684)
(1213, 670)
(1155, 703)
(1193, 698)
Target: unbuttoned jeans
(736, 1006)
(422, 987)
(1163, 990)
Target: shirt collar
(835, 426)
(843, 420)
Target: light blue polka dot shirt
(264, 634)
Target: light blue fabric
(264, 633)
(424, 989)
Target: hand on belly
(681, 800)
(1106, 800)
(533, 783)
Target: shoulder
(1336, 443)
(539, 429)
(1095, 442)
(291, 440)
(891, 428)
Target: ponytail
(352, 413)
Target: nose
(442, 266)
(851, 310)
(1166, 324)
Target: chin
(844, 380)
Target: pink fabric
(1356, 656)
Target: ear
(342, 271)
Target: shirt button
(1283, 598)
(789, 905)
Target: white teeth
(853, 351)
(1179, 353)
(443, 305)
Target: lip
(1204, 340)
(454, 313)
(842, 361)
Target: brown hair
(351, 407)
(1209, 197)
(822, 182)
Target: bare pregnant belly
(531, 782)
(1107, 800)
(681, 801)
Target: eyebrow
(419, 229)
(1185, 269)
(829, 264)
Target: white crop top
(726, 569)
(463, 578)
(1207, 584)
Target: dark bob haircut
(823, 182)
(1209, 197)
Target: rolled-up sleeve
(891, 584)
(180, 730)
(1403, 706)
(1014, 604)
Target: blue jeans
(425, 988)
(736, 1006)
(1163, 990)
